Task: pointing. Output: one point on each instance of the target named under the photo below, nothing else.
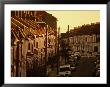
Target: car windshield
(65, 69)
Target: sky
(75, 18)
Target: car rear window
(65, 69)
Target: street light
(46, 52)
(58, 52)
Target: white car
(77, 55)
(73, 67)
(65, 70)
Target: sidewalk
(52, 73)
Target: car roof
(64, 66)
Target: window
(36, 51)
(45, 43)
(49, 40)
(36, 44)
(96, 49)
(32, 48)
(98, 39)
(29, 46)
(12, 13)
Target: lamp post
(68, 35)
(67, 45)
(58, 52)
(46, 52)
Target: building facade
(87, 45)
(84, 39)
(30, 30)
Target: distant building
(85, 39)
(85, 44)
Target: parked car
(73, 66)
(77, 55)
(98, 72)
(65, 70)
(97, 67)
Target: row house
(86, 42)
(83, 39)
(19, 50)
(28, 48)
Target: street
(85, 68)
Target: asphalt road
(85, 68)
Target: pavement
(52, 72)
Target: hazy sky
(74, 18)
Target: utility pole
(58, 57)
(68, 35)
(67, 46)
(46, 52)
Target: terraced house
(33, 41)
(84, 39)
